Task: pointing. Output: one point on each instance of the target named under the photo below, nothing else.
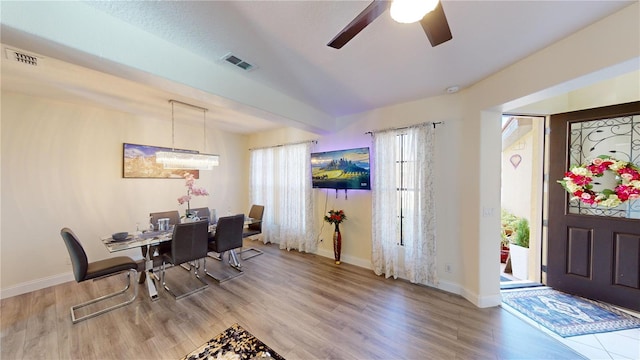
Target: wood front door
(594, 251)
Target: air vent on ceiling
(236, 61)
(22, 57)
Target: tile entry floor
(615, 345)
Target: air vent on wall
(236, 61)
(22, 57)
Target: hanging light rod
(183, 159)
(172, 101)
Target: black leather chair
(84, 270)
(174, 218)
(256, 212)
(202, 213)
(227, 238)
(189, 243)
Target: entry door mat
(235, 343)
(568, 315)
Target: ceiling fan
(434, 23)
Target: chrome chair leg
(222, 276)
(234, 261)
(180, 296)
(204, 266)
(247, 257)
(130, 278)
(219, 257)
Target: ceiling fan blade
(436, 27)
(361, 21)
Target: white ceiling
(386, 63)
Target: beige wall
(62, 166)
(517, 181)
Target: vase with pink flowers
(192, 190)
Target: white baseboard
(482, 301)
(364, 263)
(450, 287)
(490, 301)
(34, 285)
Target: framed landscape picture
(139, 161)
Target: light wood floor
(301, 305)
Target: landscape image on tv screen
(341, 169)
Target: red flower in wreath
(626, 192)
(629, 174)
(577, 181)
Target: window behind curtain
(280, 179)
(403, 209)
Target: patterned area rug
(568, 315)
(235, 343)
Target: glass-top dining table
(141, 240)
(147, 239)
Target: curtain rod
(186, 104)
(406, 127)
(280, 145)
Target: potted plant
(519, 248)
(192, 191)
(507, 220)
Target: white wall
(62, 167)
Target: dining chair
(84, 270)
(227, 238)
(188, 244)
(202, 213)
(256, 212)
(174, 218)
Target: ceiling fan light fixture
(410, 11)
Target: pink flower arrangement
(192, 190)
(577, 181)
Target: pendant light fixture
(184, 159)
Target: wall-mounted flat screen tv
(341, 169)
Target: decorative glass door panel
(595, 254)
(618, 138)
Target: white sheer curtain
(415, 258)
(280, 179)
